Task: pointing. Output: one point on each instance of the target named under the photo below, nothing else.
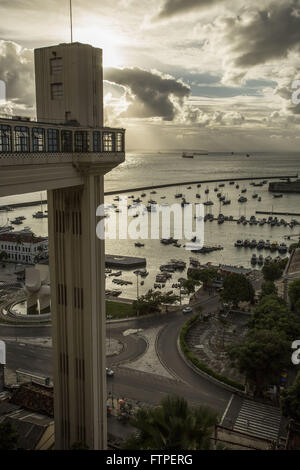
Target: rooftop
(23, 238)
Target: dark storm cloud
(270, 34)
(175, 7)
(150, 94)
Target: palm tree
(172, 426)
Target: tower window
(81, 141)
(57, 91)
(38, 139)
(97, 141)
(66, 141)
(119, 142)
(53, 140)
(108, 142)
(21, 139)
(5, 138)
(56, 65)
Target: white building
(23, 248)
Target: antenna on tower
(71, 21)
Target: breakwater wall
(158, 186)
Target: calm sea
(145, 169)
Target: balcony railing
(22, 136)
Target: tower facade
(69, 84)
(67, 152)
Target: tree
(272, 313)
(290, 400)
(268, 288)
(8, 436)
(206, 275)
(272, 271)
(261, 357)
(294, 294)
(172, 426)
(237, 288)
(151, 301)
(189, 285)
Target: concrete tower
(69, 84)
(68, 151)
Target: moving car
(187, 310)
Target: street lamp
(137, 273)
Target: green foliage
(172, 426)
(151, 301)
(189, 285)
(268, 288)
(273, 271)
(197, 363)
(8, 437)
(293, 247)
(294, 294)
(119, 309)
(237, 288)
(261, 357)
(290, 400)
(272, 313)
(206, 275)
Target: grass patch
(119, 309)
(201, 365)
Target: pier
(278, 213)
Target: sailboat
(40, 214)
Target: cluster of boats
(170, 241)
(172, 266)
(262, 245)
(122, 282)
(18, 220)
(40, 215)
(113, 293)
(272, 221)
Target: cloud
(175, 7)
(261, 36)
(17, 71)
(149, 94)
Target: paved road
(208, 393)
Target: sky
(213, 75)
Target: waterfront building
(23, 248)
(67, 152)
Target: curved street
(129, 382)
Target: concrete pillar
(78, 314)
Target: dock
(278, 213)
(124, 262)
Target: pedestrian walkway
(258, 420)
